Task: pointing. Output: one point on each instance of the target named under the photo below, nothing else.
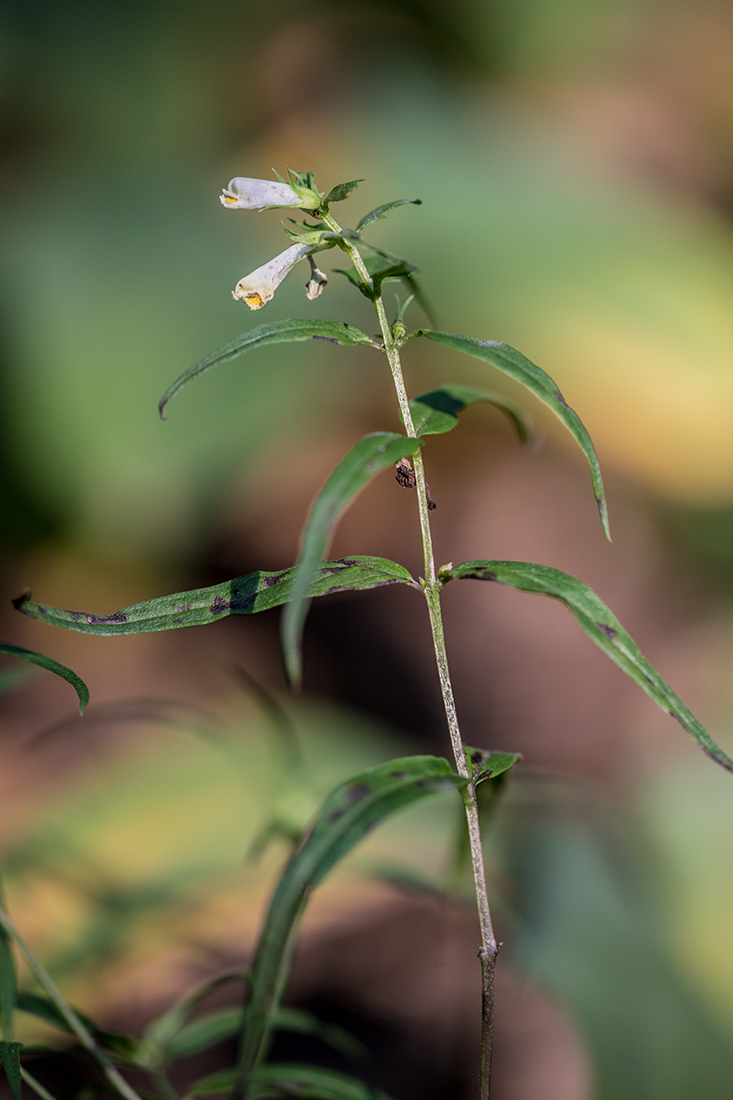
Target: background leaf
(278, 332)
(517, 366)
(437, 411)
(348, 813)
(602, 626)
(381, 212)
(10, 1057)
(8, 987)
(342, 191)
(309, 1082)
(241, 596)
(365, 460)
(48, 663)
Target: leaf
(381, 212)
(437, 411)
(515, 364)
(341, 191)
(241, 596)
(309, 1082)
(379, 269)
(44, 1009)
(10, 1057)
(488, 765)
(8, 987)
(304, 1023)
(52, 666)
(277, 332)
(347, 815)
(601, 625)
(371, 455)
(153, 1050)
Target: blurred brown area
(576, 167)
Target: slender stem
(37, 1087)
(431, 588)
(73, 1022)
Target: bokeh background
(575, 162)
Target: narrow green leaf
(487, 765)
(278, 332)
(310, 1083)
(218, 1026)
(10, 1058)
(371, 455)
(153, 1050)
(380, 269)
(517, 366)
(381, 212)
(342, 191)
(8, 987)
(348, 813)
(601, 625)
(241, 596)
(437, 411)
(48, 663)
(44, 1009)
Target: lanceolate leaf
(381, 212)
(437, 411)
(278, 332)
(10, 1058)
(39, 659)
(349, 812)
(515, 364)
(305, 1082)
(8, 987)
(371, 455)
(242, 596)
(602, 626)
(214, 1028)
(44, 1009)
(379, 269)
(342, 191)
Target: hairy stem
(431, 588)
(75, 1025)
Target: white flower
(247, 194)
(258, 288)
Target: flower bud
(258, 288)
(316, 283)
(248, 194)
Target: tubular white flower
(247, 194)
(258, 288)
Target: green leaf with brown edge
(277, 332)
(517, 366)
(48, 663)
(10, 1058)
(352, 809)
(601, 625)
(381, 212)
(437, 411)
(341, 191)
(371, 455)
(242, 596)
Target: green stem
(73, 1022)
(37, 1087)
(431, 588)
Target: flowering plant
(365, 799)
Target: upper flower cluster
(243, 193)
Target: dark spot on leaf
(177, 620)
(609, 631)
(357, 792)
(270, 582)
(43, 610)
(76, 615)
(483, 575)
(330, 339)
(347, 562)
(184, 607)
(102, 620)
(335, 815)
(477, 757)
(420, 783)
(219, 606)
(398, 775)
(560, 399)
(331, 568)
